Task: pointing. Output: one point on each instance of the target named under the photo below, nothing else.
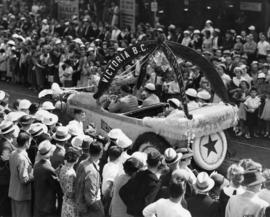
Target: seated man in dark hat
(126, 103)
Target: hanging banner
(120, 60)
(128, 13)
(67, 9)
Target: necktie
(234, 192)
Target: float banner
(120, 60)
(205, 66)
(178, 72)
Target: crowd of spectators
(48, 170)
(37, 51)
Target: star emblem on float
(210, 146)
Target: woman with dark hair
(131, 166)
(67, 177)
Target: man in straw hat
(21, 176)
(61, 136)
(7, 130)
(248, 203)
(46, 185)
(171, 159)
(202, 205)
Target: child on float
(252, 103)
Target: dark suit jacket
(58, 157)
(202, 206)
(140, 191)
(46, 187)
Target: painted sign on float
(120, 60)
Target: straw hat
(46, 148)
(174, 101)
(6, 127)
(203, 183)
(171, 157)
(51, 119)
(24, 104)
(37, 129)
(61, 134)
(47, 105)
(150, 87)
(2, 95)
(191, 92)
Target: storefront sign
(67, 8)
(128, 13)
(120, 60)
(251, 6)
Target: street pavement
(257, 149)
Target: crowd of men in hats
(48, 170)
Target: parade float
(202, 128)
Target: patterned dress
(67, 177)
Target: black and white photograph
(134, 108)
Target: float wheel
(210, 151)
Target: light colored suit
(19, 185)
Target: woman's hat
(37, 129)
(47, 105)
(191, 92)
(204, 95)
(61, 134)
(174, 101)
(41, 114)
(252, 178)
(51, 119)
(14, 116)
(203, 183)
(180, 175)
(26, 120)
(24, 104)
(2, 95)
(6, 127)
(261, 75)
(171, 157)
(122, 140)
(73, 130)
(45, 149)
(150, 87)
